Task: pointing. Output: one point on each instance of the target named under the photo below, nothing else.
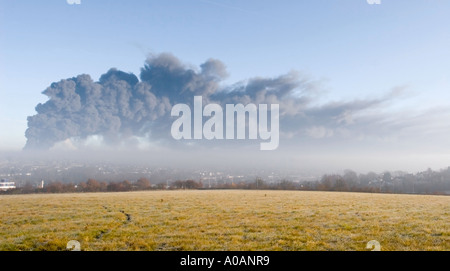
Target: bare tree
(143, 183)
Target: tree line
(427, 182)
(92, 185)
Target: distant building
(6, 185)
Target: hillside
(224, 220)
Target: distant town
(36, 172)
(66, 176)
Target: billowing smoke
(120, 106)
(116, 107)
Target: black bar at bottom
(224, 260)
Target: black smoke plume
(120, 105)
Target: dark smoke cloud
(116, 107)
(120, 105)
(170, 78)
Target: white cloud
(66, 145)
(319, 132)
(71, 2)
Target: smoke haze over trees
(426, 182)
(125, 111)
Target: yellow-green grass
(224, 221)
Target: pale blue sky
(355, 50)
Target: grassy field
(224, 220)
